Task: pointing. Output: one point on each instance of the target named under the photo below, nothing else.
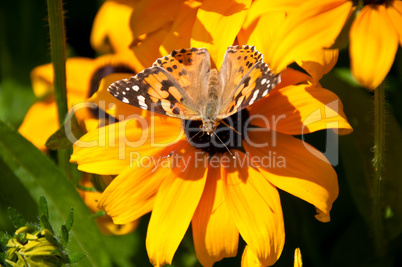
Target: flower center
(228, 135)
(369, 2)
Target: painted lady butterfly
(183, 85)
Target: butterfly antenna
(233, 156)
(230, 127)
(188, 141)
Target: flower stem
(379, 151)
(58, 54)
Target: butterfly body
(210, 114)
(183, 85)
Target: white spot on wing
(127, 88)
(125, 100)
(143, 105)
(141, 102)
(254, 97)
(263, 81)
(136, 88)
(265, 93)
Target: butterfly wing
(247, 79)
(173, 86)
(190, 67)
(154, 89)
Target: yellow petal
(300, 109)
(259, 7)
(175, 204)
(179, 35)
(291, 77)
(105, 223)
(132, 193)
(108, 227)
(149, 16)
(214, 232)
(395, 12)
(317, 63)
(249, 259)
(229, 15)
(110, 30)
(297, 258)
(256, 209)
(295, 167)
(40, 123)
(146, 48)
(110, 149)
(373, 45)
(313, 25)
(78, 72)
(262, 32)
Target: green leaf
(16, 218)
(70, 220)
(44, 221)
(61, 139)
(42, 178)
(15, 99)
(76, 257)
(52, 239)
(64, 236)
(4, 237)
(43, 209)
(99, 214)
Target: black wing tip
(198, 50)
(115, 88)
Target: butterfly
(183, 85)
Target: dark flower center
(228, 135)
(104, 71)
(369, 2)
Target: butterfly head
(209, 126)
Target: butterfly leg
(227, 125)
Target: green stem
(379, 151)
(58, 53)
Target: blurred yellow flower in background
(374, 38)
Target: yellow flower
(374, 39)
(31, 247)
(83, 77)
(220, 196)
